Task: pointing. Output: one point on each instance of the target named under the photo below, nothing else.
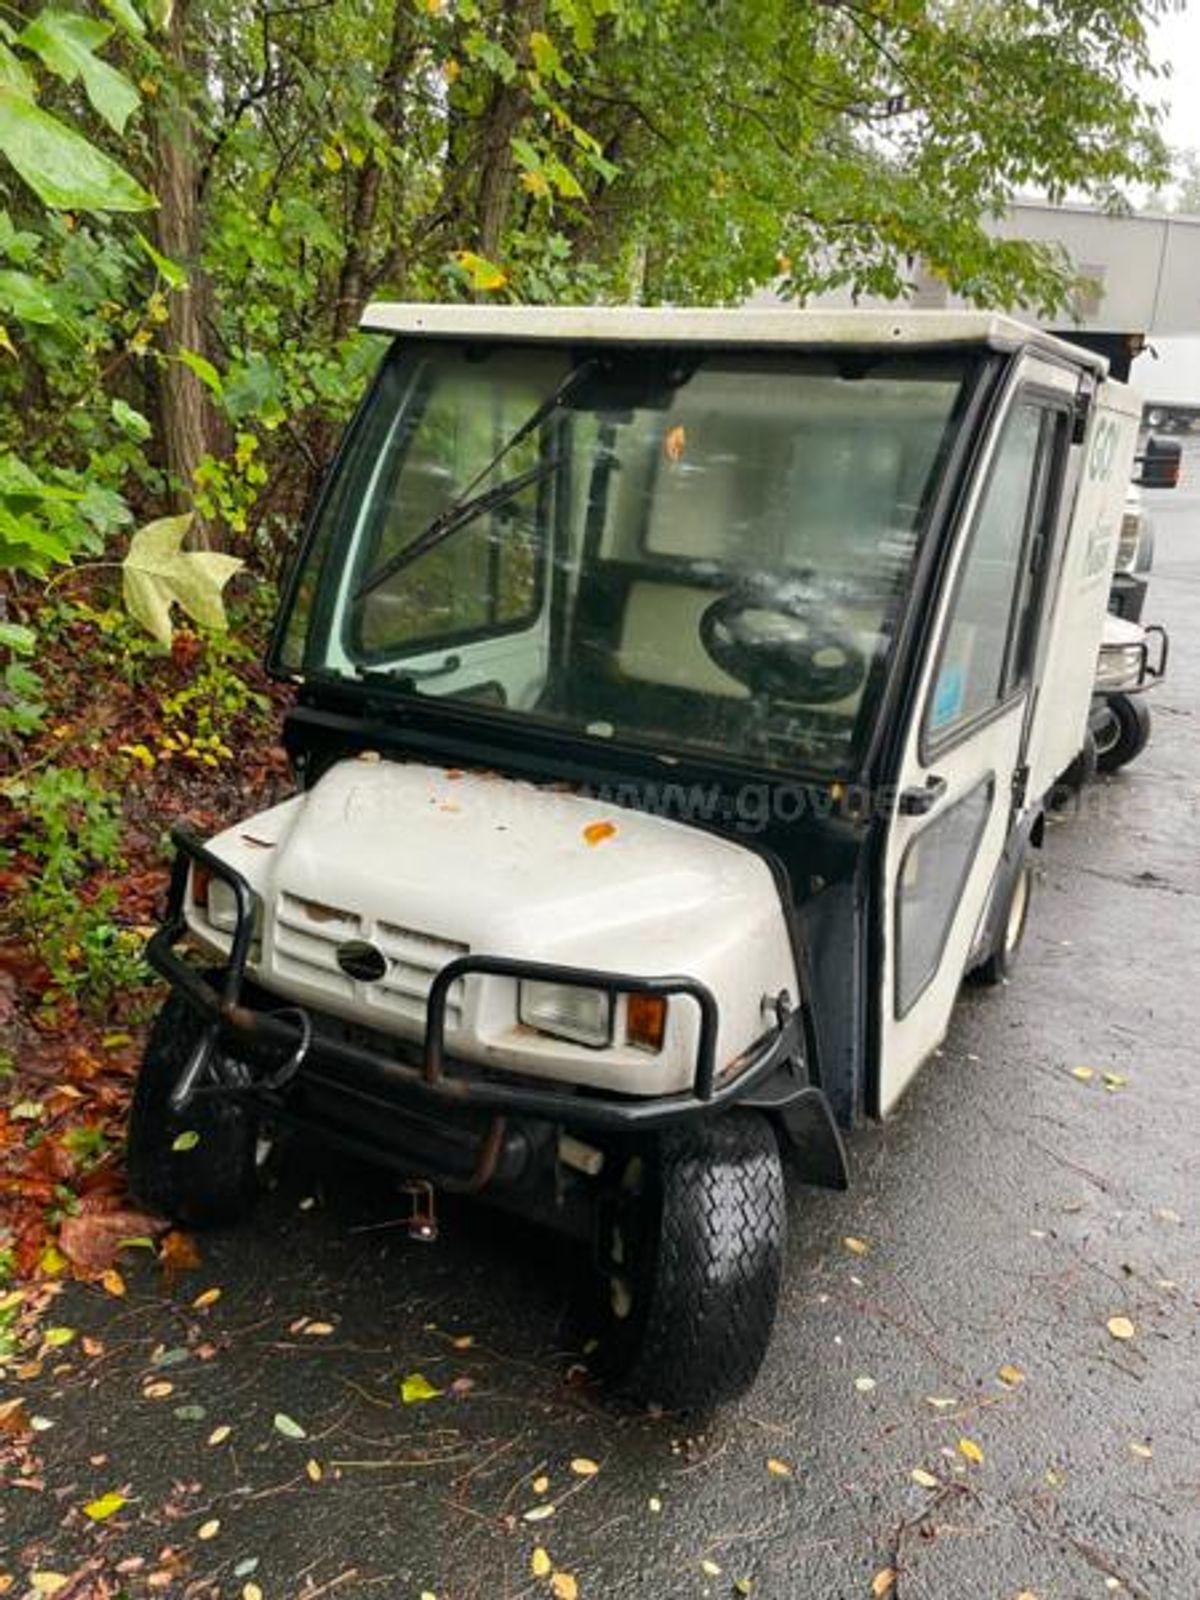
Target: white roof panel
(781, 326)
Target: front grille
(307, 936)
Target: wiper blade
(462, 512)
(468, 505)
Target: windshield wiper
(468, 505)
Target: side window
(989, 634)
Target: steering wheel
(771, 636)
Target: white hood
(429, 863)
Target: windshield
(673, 546)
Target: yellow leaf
(48, 1582)
(159, 1390)
(318, 1330)
(597, 832)
(710, 1569)
(1011, 1376)
(1084, 1074)
(925, 1479)
(1142, 1450)
(113, 1282)
(251, 1591)
(564, 1587)
(6, 343)
(484, 274)
(540, 1485)
(106, 1506)
(209, 1529)
(582, 1467)
(1114, 1081)
(219, 1435)
(856, 1247)
(883, 1582)
(464, 1341)
(539, 1513)
(536, 184)
(778, 1469)
(540, 1564)
(416, 1388)
(53, 1262)
(968, 1448)
(654, 1503)
(208, 1298)
(941, 1402)
(1121, 1327)
(55, 1338)
(313, 1468)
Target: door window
(987, 643)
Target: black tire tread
(216, 1180)
(716, 1278)
(1133, 722)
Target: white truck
(677, 697)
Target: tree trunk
(189, 425)
(500, 121)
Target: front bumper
(273, 1044)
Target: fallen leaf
(710, 1569)
(1011, 1376)
(564, 1587)
(1084, 1074)
(538, 1513)
(415, 1388)
(14, 1419)
(582, 1467)
(941, 1402)
(158, 1390)
(1114, 1081)
(187, 1140)
(856, 1247)
(251, 1591)
(655, 1504)
(318, 1330)
(1166, 1214)
(972, 1451)
(112, 1282)
(540, 1485)
(177, 1252)
(313, 1468)
(743, 1586)
(92, 1239)
(208, 1298)
(107, 1505)
(1142, 1450)
(540, 1564)
(48, 1582)
(883, 1582)
(597, 832)
(1121, 1327)
(209, 1529)
(189, 1413)
(55, 1338)
(288, 1426)
(464, 1341)
(864, 1385)
(925, 1479)
(777, 1468)
(219, 1435)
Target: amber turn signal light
(646, 1021)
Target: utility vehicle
(677, 693)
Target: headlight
(1128, 541)
(567, 1011)
(222, 907)
(1120, 666)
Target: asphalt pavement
(1009, 1211)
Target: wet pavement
(1010, 1209)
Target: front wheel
(199, 1166)
(1124, 733)
(1010, 930)
(690, 1248)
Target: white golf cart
(677, 692)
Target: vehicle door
(954, 806)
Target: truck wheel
(210, 1179)
(999, 962)
(691, 1252)
(1124, 734)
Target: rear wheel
(1124, 733)
(690, 1248)
(199, 1166)
(1010, 930)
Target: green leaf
(416, 1388)
(130, 422)
(13, 74)
(63, 169)
(126, 13)
(189, 1138)
(173, 274)
(106, 1506)
(20, 640)
(288, 1426)
(158, 573)
(484, 274)
(26, 298)
(67, 44)
(203, 369)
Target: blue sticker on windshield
(948, 696)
